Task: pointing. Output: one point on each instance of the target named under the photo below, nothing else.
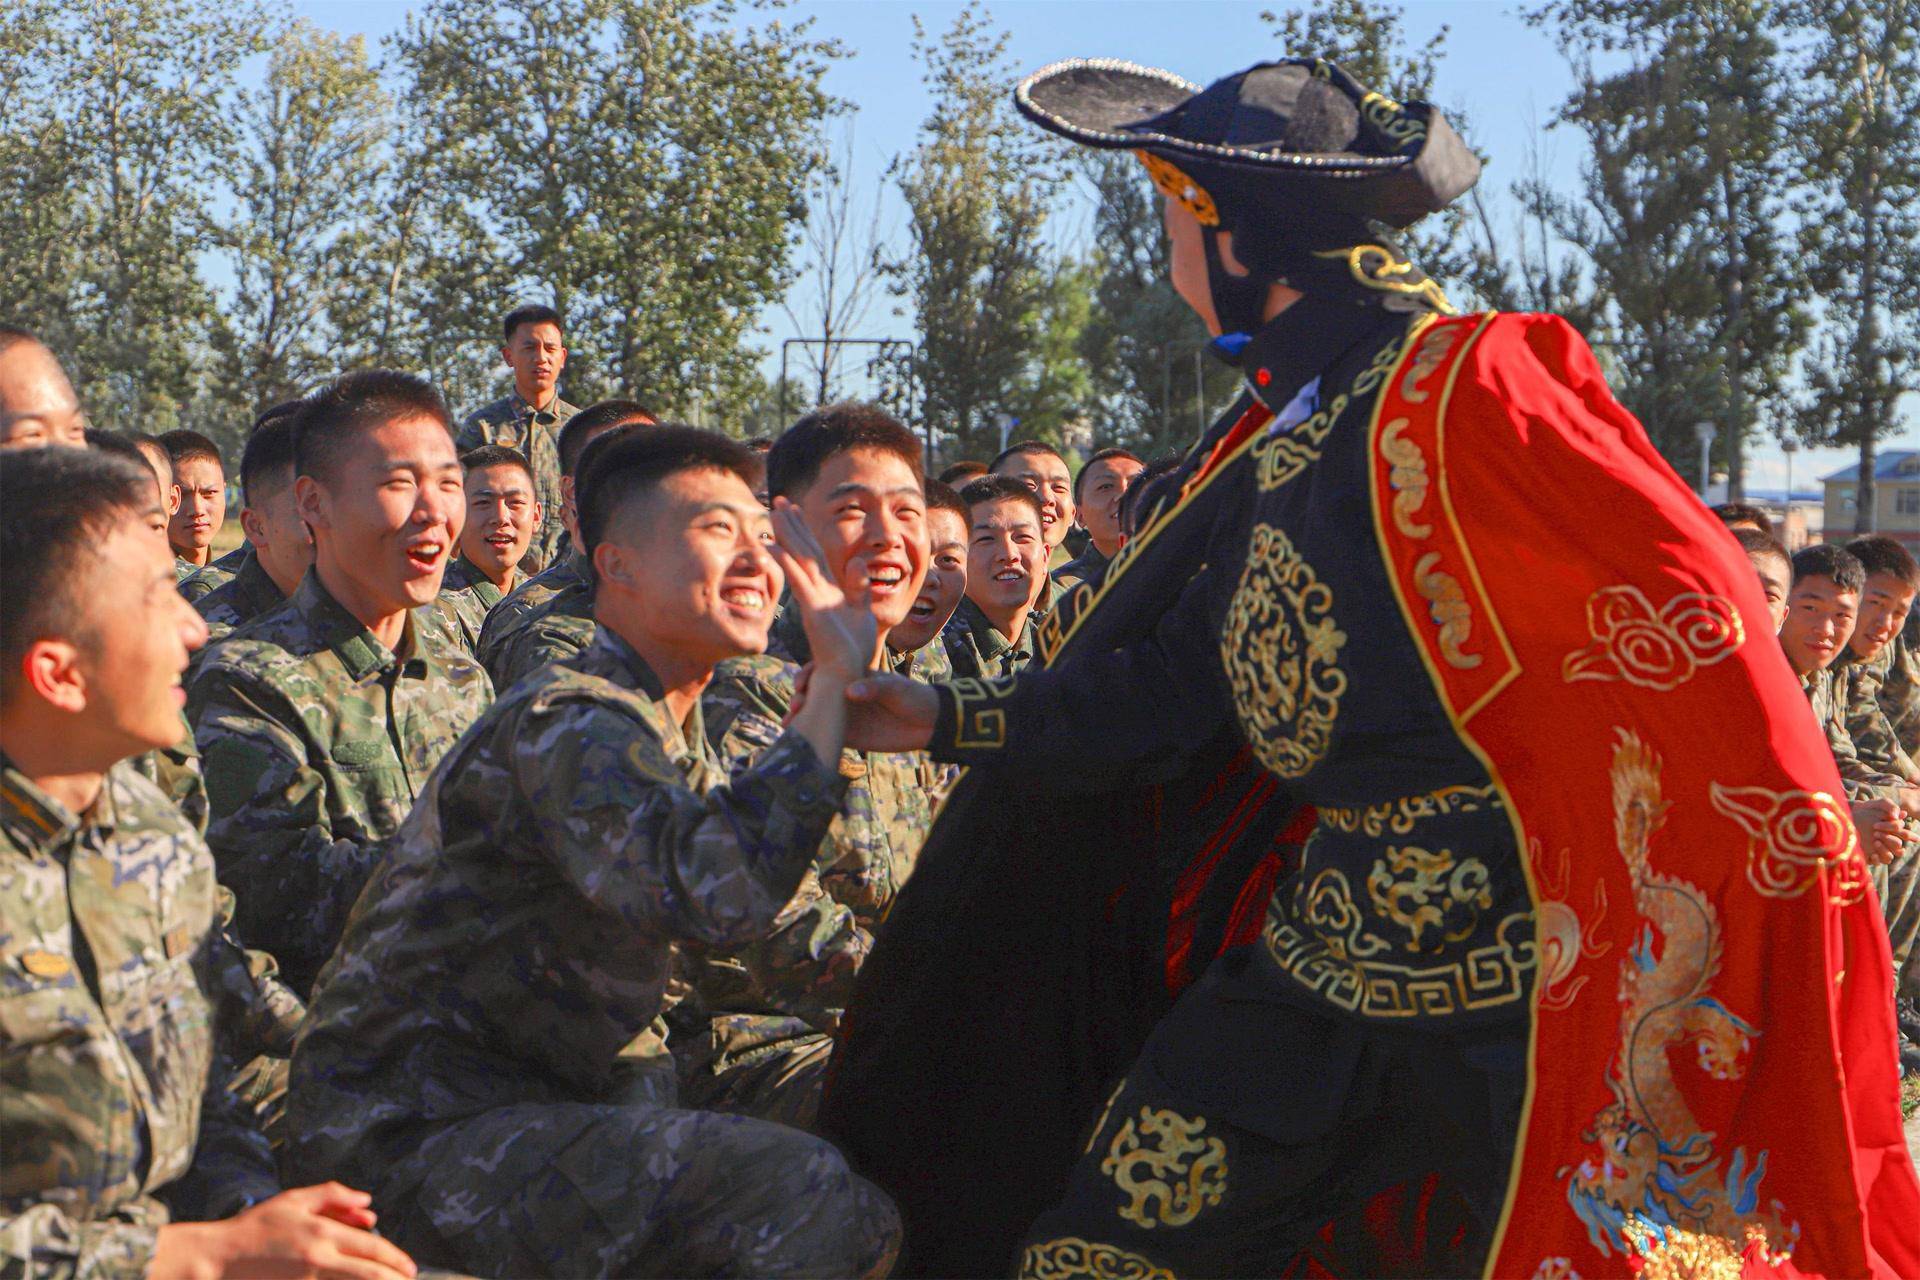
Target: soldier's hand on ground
(839, 623)
(320, 1232)
(886, 712)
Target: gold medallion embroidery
(1648, 1154)
(1182, 190)
(1281, 651)
(1447, 606)
(1655, 650)
(1434, 896)
(1071, 1258)
(1169, 1171)
(1409, 478)
(1792, 836)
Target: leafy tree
(976, 280)
(1681, 215)
(639, 164)
(117, 111)
(1857, 122)
(308, 168)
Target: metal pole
(783, 383)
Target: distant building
(1896, 490)
(1796, 518)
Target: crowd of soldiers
(536, 888)
(498, 873)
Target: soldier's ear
(51, 668)
(613, 563)
(506, 356)
(310, 500)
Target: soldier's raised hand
(839, 623)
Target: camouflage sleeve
(270, 829)
(45, 1242)
(176, 771)
(1874, 740)
(621, 824)
(471, 433)
(1862, 781)
(258, 1013)
(551, 639)
(806, 965)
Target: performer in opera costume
(1578, 971)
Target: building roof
(1892, 464)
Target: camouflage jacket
(1899, 691)
(1874, 739)
(535, 432)
(112, 974)
(197, 584)
(316, 740)
(184, 569)
(976, 649)
(248, 594)
(1088, 566)
(1831, 692)
(466, 594)
(520, 932)
(546, 630)
(797, 979)
(523, 605)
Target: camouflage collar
(986, 637)
(333, 627)
(525, 408)
(255, 586)
(464, 575)
(611, 658)
(36, 821)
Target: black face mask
(1239, 302)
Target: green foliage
(1856, 120)
(976, 190)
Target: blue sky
(1508, 77)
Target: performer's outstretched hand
(886, 712)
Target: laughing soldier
(1555, 987)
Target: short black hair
(116, 445)
(531, 313)
(998, 489)
(1829, 560)
(274, 413)
(149, 446)
(1102, 455)
(355, 402)
(1133, 503)
(1877, 553)
(1756, 543)
(266, 461)
(1732, 513)
(185, 446)
(962, 471)
(55, 507)
(636, 462)
(944, 497)
(496, 455)
(795, 460)
(590, 422)
(1024, 446)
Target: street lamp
(1789, 447)
(1006, 422)
(1705, 432)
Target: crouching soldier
(471, 1045)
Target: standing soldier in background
(530, 418)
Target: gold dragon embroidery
(1071, 1258)
(1170, 1172)
(1649, 1160)
(1281, 651)
(1429, 889)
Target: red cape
(1713, 1077)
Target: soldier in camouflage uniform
(530, 417)
(1097, 491)
(201, 478)
(991, 633)
(279, 551)
(503, 515)
(113, 970)
(197, 585)
(465, 1048)
(317, 724)
(551, 615)
(1041, 468)
(756, 1038)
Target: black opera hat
(1295, 157)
